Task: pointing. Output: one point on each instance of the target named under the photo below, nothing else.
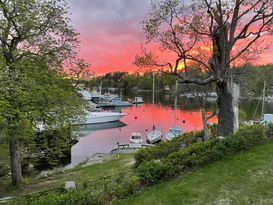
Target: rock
(220, 138)
(70, 185)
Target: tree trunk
(205, 125)
(15, 163)
(228, 102)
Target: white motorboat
(116, 102)
(138, 100)
(136, 138)
(88, 95)
(173, 132)
(154, 136)
(102, 117)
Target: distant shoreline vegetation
(250, 78)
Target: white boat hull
(173, 132)
(101, 117)
(154, 136)
(136, 138)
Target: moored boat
(136, 138)
(154, 136)
(101, 117)
(173, 132)
(138, 100)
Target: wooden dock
(129, 148)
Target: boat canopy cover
(175, 131)
(268, 118)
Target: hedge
(202, 153)
(165, 148)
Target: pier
(129, 148)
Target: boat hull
(101, 117)
(95, 118)
(154, 136)
(122, 104)
(173, 132)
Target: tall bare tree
(208, 37)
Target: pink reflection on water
(138, 119)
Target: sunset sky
(111, 34)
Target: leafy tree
(35, 40)
(207, 38)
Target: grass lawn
(246, 178)
(78, 174)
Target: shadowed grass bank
(246, 178)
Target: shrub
(269, 132)
(198, 154)
(165, 148)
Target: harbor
(102, 138)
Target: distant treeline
(251, 79)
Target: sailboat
(266, 118)
(174, 131)
(155, 135)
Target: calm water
(102, 138)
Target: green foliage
(161, 150)
(36, 40)
(242, 115)
(4, 160)
(94, 192)
(153, 171)
(165, 148)
(269, 132)
(251, 79)
(128, 81)
(198, 154)
(52, 148)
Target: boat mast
(263, 101)
(175, 103)
(100, 87)
(153, 87)
(153, 99)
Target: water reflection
(138, 119)
(85, 130)
(103, 138)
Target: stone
(70, 185)
(220, 138)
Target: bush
(165, 148)
(198, 154)
(4, 168)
